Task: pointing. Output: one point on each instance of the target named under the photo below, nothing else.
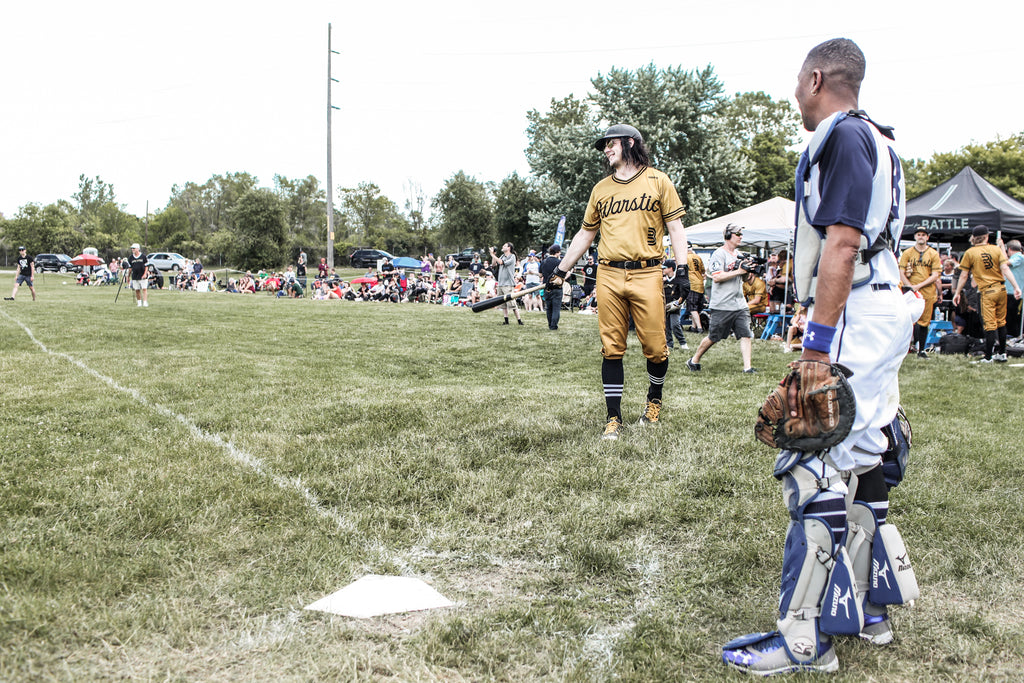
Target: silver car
(167, 260)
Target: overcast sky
(149, 95)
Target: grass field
(178, 482)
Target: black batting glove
(557, 278)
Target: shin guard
(884, 575)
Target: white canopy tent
(769, 223)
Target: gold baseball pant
(621, 293)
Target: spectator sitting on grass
(247, 285)
(232, 287)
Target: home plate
(374, 595)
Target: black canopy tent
(951, 210)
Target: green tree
(465, 212)
(681, 116)
(765, 131)
(564, 163)
(44, 229)
(169, 229)
(208, 206)
(306, 203)
(1001, 162)
(259, 218)
(373, 220)
(514, 200)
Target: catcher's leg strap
(881, 564)
(817, 578)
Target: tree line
(723, 153)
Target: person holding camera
(727, 306)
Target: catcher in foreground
(843, 561)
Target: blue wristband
(818, 337)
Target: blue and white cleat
(767, 654)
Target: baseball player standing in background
(988, 264)
(695, 299)
(920, 267)
(848, 182)
(632, 208)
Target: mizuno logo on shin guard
(839, 598)
(883, 572)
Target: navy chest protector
(885, 216)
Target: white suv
(164, 260)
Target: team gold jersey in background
(631, 215)
(918, 266)
(983, 261)
(696, 272)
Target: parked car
(57, 263)
(364, 258)
(167, 260)
(464, 257)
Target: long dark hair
(635, 154)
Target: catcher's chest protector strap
(885, 219)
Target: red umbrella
(365, 280)
(87, 260)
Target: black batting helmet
(619, 130)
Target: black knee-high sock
(990, 342)
(922, 336)
(656, 373)
(871, 489)
(613, 377)
(1001, 332)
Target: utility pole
(330, 179)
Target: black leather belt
(631, 265)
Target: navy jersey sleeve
(847, 166)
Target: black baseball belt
(632, 265)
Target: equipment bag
(954, 343)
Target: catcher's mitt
(822, 400)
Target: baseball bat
(487, 304)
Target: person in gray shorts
(727, 306)
(506, 264)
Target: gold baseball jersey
(918, 266)
(631, 215)
(984, 261)
(696, 271)
(752, 290)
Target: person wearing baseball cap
(137, 262)
(991, 270)
(920, 268)
(25, 267)
(633, 208)
(552, 295)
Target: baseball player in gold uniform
(695, 299)
(988, 264)
(631, 208)
(920, 267)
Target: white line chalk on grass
(237, 454)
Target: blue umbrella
(406, 262)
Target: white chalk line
(237, 454)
